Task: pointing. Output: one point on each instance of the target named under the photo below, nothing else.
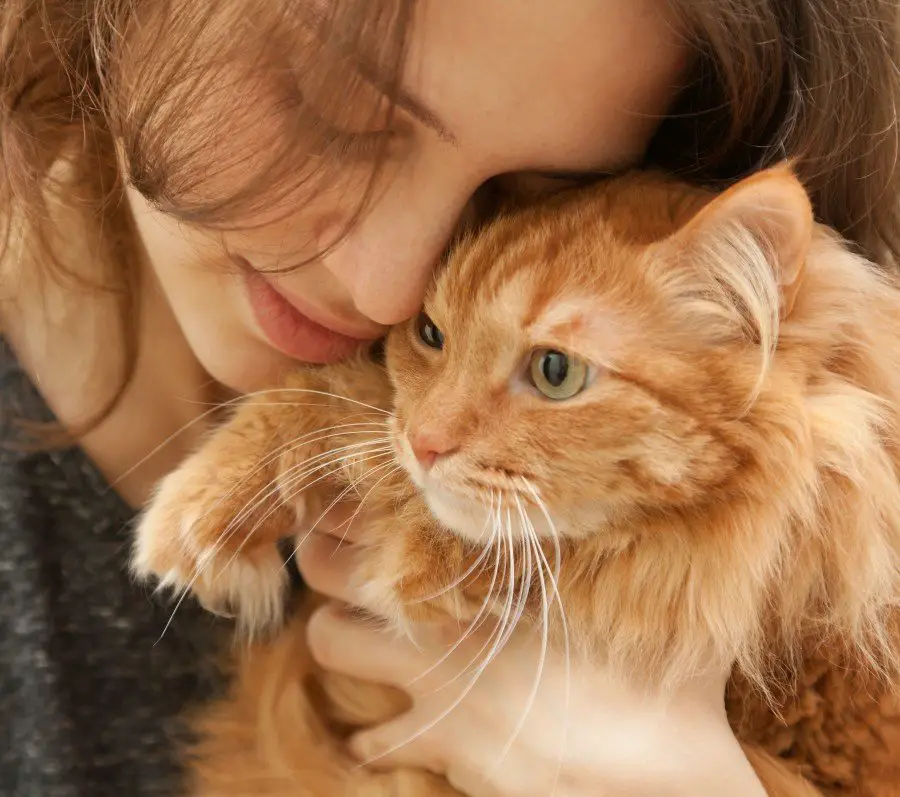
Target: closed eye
(534, 185)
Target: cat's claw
(250, 589)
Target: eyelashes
(539, 184)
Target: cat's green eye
(557, 375)
(429, 334)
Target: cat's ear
(749, 245)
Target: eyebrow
(408, 102)
(403, 98)
(418, 110)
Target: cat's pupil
(555, 368)
(429, 333)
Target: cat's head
(593, 357)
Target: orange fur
(725, 489)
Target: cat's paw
(196, 538)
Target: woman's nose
(387, 260)
(386, 283)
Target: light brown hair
(815, 81)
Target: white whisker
(554, 535)
(274, 485)
(487, 549)
(309, 392)
(497, 637)
(342, 454)
(554, 579)
(531, 539)
(394, 467)
(510, 619)
(486, 607)
(476, 622)
(370, 455)
(465, 692)
(349, 523)
(224, 404)
(297, 473)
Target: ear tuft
(773, 208)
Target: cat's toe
(157, 555)
(251, 589)
(192, 540)
(248, 586)
(219, 606)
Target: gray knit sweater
(90, 697)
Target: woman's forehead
(547, 84)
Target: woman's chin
(246, 366)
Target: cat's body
(692, 403)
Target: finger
(346, 521)
(327, 567)
(362, 649)
(398, 743)
(409, 741)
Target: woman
(199, 194)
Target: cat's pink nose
(427, 445)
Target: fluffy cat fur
(725, 487)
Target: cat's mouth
(491, 486)
(477, 499)
(479, 507)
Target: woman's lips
(292, 331)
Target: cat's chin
(467, 517)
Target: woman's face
(531, 88)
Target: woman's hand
(581, 732)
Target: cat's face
(592, 358)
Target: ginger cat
(687, 401)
